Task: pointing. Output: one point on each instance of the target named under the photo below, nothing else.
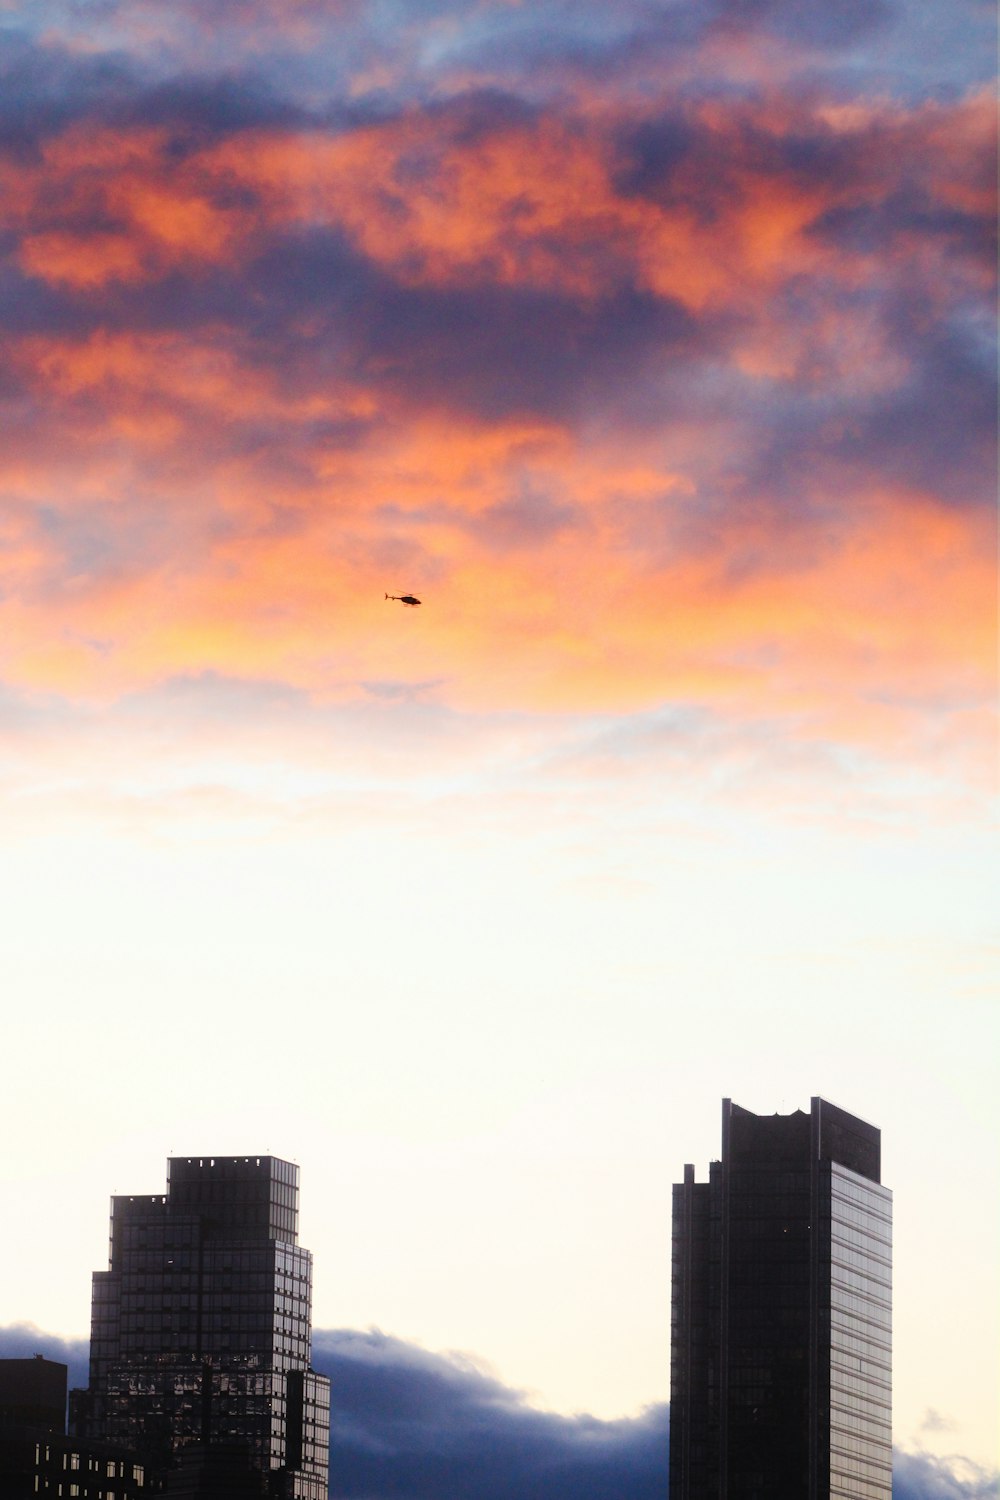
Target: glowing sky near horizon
(652, 347)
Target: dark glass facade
(781, 1314)
(201, 1326)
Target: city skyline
(376, 1368)
(652, 347)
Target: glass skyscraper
(201, 1327)
(781, 1314)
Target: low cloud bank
(407, 1424)
(919, 1476)
(411, 1425)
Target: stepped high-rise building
(781, 1316)
(201, 1328)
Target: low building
(36, 1455)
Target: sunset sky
(652, 346)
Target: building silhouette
(201, 1335)
(781, 1314)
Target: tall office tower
(201, 1327)
(781, 1320)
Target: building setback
(781, 1314)
(201, 1332)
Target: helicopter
(404, 598)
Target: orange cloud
(848, 630)
(566, 567)
(165, 213)
(525, 203)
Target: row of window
(859, 1487)
(847, 1347)
(860, 1206)
(847, 1223)
(868, 1282)
(185, 1318)
(850, 1353)
(852, 1322)
(859, 1455)
(112, 1468)
(212, 1297)
(71, 1488)
(862, 1258)
(851, 1392)
(868, 1306)
(878, 1376)
(874, 1425)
